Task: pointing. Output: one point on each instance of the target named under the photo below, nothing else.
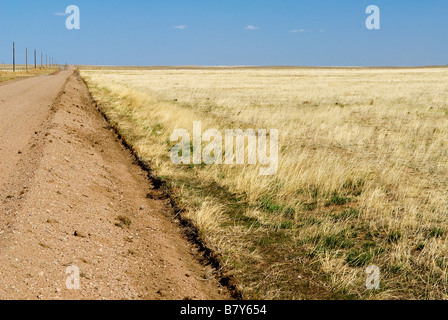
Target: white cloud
(252, 28)
(181, 27)
(297, 30)
(60, 14)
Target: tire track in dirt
(70, 194)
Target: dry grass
(7, 74)
(362, 176)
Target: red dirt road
(71, 195)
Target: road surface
(72, 201)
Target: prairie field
(362, 177)
(6, 72)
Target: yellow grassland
(362, 178)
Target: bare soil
(72, 195)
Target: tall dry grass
(362, 175)
(6, 72)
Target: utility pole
(14, 57)
(26, 59)
(35, 59)
(41, 60)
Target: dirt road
(70, 195)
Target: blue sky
(214, 32)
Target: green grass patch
(435, 233)
(361, 257)
(268, 205)
(286, 225)
(346, 215)
(337, 200)
(394, 236)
